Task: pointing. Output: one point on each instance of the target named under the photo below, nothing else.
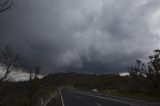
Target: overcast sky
(83, 35)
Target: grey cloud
(78, 35)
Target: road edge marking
(61, 98)
(99, 104)
(115, 100)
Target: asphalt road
(74, 98)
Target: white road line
(115, 100)
(99, 104)
(61, 98)
(47, 101)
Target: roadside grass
(21, 98)
(146, 96)
(151, 97)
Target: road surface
(74, 98)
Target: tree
(5, 5)
(150, 71)
(34, 84)
(153, 73)
(137, 70)
(9, 60)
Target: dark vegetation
(26, 93)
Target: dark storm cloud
(83, 35)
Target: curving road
(74, 98)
